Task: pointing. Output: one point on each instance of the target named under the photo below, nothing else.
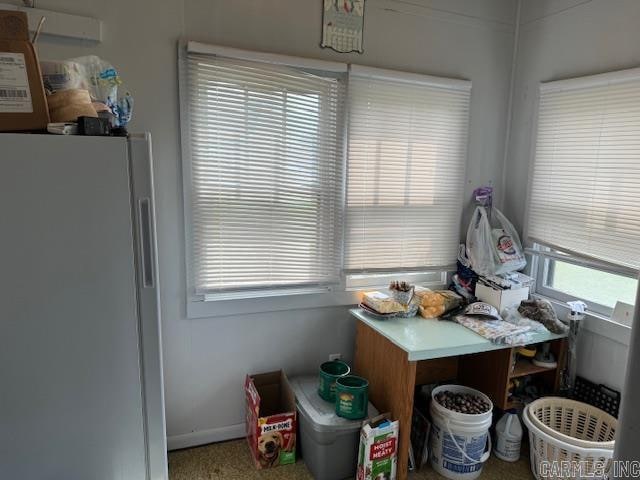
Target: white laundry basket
(569, 439)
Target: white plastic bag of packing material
(61, 75)
(105, 85)
(493, 251)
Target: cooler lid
(320, 413)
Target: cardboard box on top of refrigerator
(23, 104)
(271, 419)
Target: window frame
(272, 300)
(541, 256)
(374, 281)
(401, 77)
(572, 85)
(184, 48)
(542, 265)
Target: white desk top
(424, 339)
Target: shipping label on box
(270, 419)
(23, 105)
(15, 95)
(377, 456)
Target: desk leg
(392, 380)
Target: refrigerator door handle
(145, 232)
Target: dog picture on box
(269, 446)
(271, 419)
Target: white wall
(602, 351)
(206, 359)
(563, 39)
(603, 360)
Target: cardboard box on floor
(271, 419)
(23, 105)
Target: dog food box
(271, 419)
(23, 105)
(377, 456)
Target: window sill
(595, 323)
(223, 308)
(198, 308)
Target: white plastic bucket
(459, 443)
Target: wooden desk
(398, 354)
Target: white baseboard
(202, 437)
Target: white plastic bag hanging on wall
(493, 251)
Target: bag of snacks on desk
(437, 303)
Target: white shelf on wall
(61, 24)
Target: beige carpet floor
(232, 461)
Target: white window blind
(406, 165)
(585, 190)
(266, 174)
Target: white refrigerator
(81, 394)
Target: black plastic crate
(599, 396)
